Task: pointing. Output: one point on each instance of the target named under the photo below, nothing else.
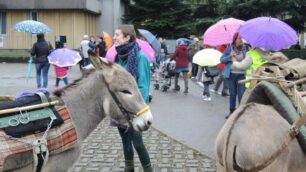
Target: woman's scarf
(129, 51)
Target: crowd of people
(237, 63)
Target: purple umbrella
(64, 57)
(269, 33)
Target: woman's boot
(148, 168)
(231, 111)
(129, 166)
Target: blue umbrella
(151, 39)
(186, 41)
(31, 26)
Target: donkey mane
(61, 91)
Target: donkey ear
(96, 61)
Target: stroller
(164, 74)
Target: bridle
(126, 113)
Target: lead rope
(40, 150)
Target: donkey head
(125, 100)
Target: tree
(292, 12)
(205, 15)
(151, 15)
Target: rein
(126, 113)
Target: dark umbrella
(151, 39)
(185, 40)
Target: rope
(39, 147)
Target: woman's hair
(40, 36)
(128, 30)
(235, 37)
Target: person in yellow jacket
(254, 59)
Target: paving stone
(102, 152)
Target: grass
(14, 53)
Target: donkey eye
(126, 92)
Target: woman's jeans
(57, 81)
(206, 88)
(235, 89)
(135, 139)
(44, 69)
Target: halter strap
(142, 111)
(126, 113)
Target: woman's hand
(233, 56)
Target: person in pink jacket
(61, 74)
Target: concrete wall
(88, 5)
(112, 11)
(71, 23)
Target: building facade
(69, 18)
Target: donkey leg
(63, 161)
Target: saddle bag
(32, 126)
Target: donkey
(250, 136)
(91, 98)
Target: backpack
(211, 71)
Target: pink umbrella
(145, 48)
(222, 32)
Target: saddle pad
(269, 94)
(30, 127)
(60, 139)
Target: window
(2, 22)
(34, 15)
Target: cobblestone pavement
(102, 152)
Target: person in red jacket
(181, 58)
(61, 74)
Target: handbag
(211, 71)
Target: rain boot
(231, 111)
(176, 87)
(129, 166)
(186, 85)
(147, 168)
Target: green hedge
(14, 55)
(295, 53)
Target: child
(207, 80)
(61, 74)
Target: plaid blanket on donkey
(59, 138)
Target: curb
(14, 59)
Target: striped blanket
(60, 139)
